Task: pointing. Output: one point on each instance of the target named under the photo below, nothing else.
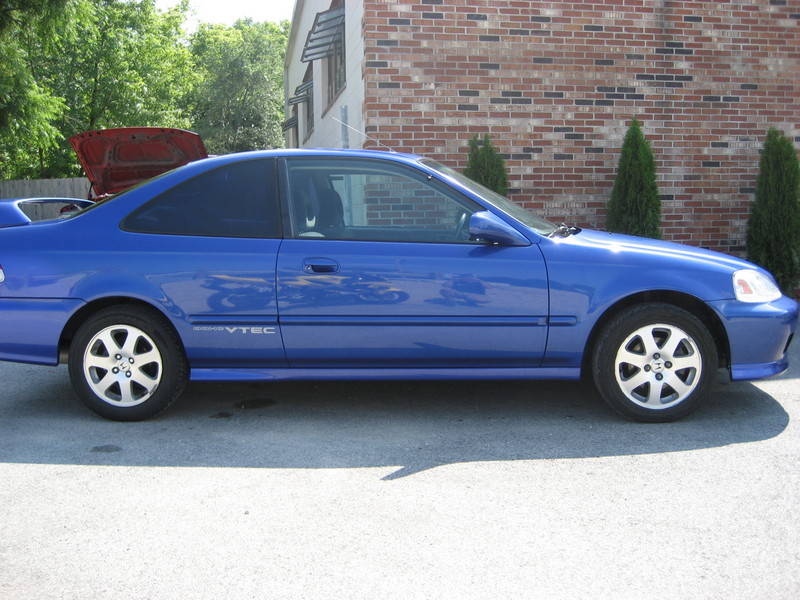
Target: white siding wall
(327, 132)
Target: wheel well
(87, 311)
(690, 304)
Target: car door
(208, 246)
(379, 271)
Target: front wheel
(127, 364)
(654, 363)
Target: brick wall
(556, 83)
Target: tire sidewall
(173, 362)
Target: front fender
(589, 275)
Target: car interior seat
(330, 218)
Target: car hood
(116, 159)
(630, 246)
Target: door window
(374, 200)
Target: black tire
(127, 364)
(654, 363)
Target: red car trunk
(116, 159)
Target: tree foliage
(773, 230)
(238, 103)
(486, 165)
(635, 206)
(68, 66)
(27, 105)
(124, 65)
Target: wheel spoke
(670, 347)
(636, 381)
(103, 383)
(627, 357)
(127, 393)
(98, 362)
(649, 341)
(654, 395)
(145, 358)
(132, 340)
(144, 380)
(687, 362)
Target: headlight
(752, 286)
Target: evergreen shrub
(635, 206)
(773, 229)
(486, 165)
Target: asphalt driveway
(398, 490)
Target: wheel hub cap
(122, 365)
(658, 366)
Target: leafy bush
(486, 165)
(773, 230)
(635, 206)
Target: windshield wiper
(565, 230)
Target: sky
(228, 11)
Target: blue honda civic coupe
(326, 264)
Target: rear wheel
(127, 364)
(654, 363)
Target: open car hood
(116, 159)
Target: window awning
(327, 31)
(289, 123)
(302, 93)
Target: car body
(332, 264)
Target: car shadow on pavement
(409, 426)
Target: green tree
(107, 63)
(238, 104)
(68, 66)
(486, 165)
(635, 206)
(773, 229)
(28, 108)
(126, 65)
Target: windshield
(540, 226)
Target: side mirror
(484, 225)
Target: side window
(366, 199)
(234, 200)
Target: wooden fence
(77, 187)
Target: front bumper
(758, 336)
